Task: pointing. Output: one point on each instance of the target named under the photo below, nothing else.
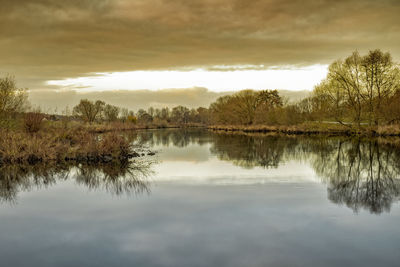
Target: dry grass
(18, 147)
(44, 141)
(63, 145)
(388, 130)
(314, 128)
(33, 121)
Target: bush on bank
(64, 145)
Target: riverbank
(118, 127)
(104, 143)
(313, 129)
(66, 145)
(60, 141)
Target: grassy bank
(313, 128)
(72, 141)
(102, 143)
(60, 145)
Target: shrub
(33, 122)
(132, 119)
(59, 145)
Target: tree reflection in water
(359, 173)
(128, 177)
(362, 174)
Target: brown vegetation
(311, 128)
(306, 128)
(58, 145)
(33, 121)
(12, 99)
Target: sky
(132, 48)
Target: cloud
(49, 100)
(50, 39)
(292, 79)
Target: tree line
(359, 90)
(99, 111)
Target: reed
(313, 128)
(59, 145)
(33, 121)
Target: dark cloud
(52, 39)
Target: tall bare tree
(88, 110)
(359, 86)
(12, 99)
(381, 80)
(111, 113)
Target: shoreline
(106, 144)
(67, 145)
(312, 129)
(118, 128)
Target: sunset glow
(289, 78)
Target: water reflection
(175, 137)
(362, 174)
(116, 178)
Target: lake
(209, 199)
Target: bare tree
(381, 80)
(12, 99)
(359, 86)
(111, 113)
(89, 111)
(180, 114)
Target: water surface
(209, 199)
